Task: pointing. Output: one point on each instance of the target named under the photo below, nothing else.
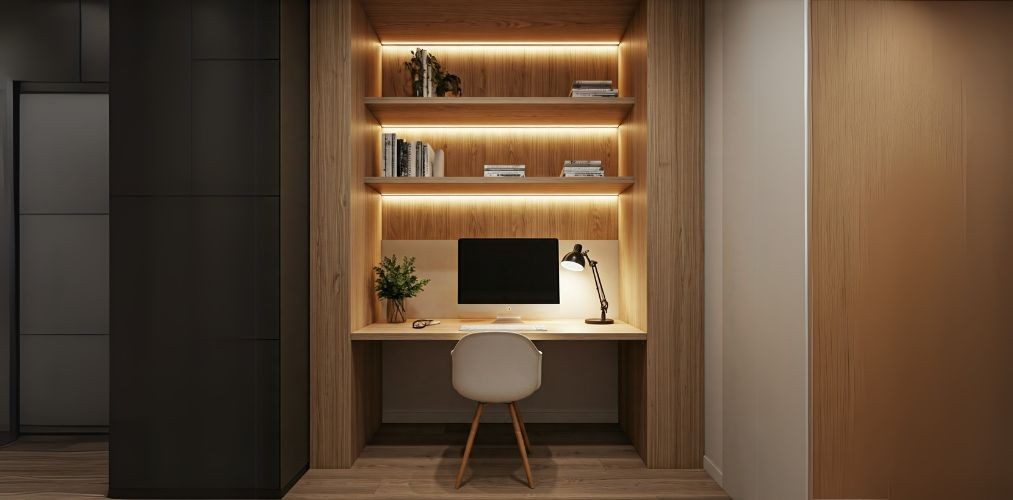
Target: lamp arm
(600, 288)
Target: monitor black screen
(508, 271)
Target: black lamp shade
(574, 261)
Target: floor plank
(54, 467)
(404, 461)
(419, 461)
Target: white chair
(497, 367)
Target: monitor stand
(508, 317)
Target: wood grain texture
(632, 232)
(421, 461)
(522, 186)
(542, 150)
(506, 71)
(675, 233)
(499, 111)
(344, 394)
(526, 21)
(55, 467)
(910, 244)
(404, 461)
(453, 217)
(661, 229)
(449, 329)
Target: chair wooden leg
(471, 441)
(520, 444)
(524, 428)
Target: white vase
(438, 164)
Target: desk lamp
(576, 261)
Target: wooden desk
(558, 329)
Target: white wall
(755, 237)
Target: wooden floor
(413, 461)
(54, 467)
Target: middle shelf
(499, 185)
(499, 111)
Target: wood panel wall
(506, 71)
(485, 21)
(452, 217)
(344, 232)
(633, 231)
(912, 250)
(661, 231)
(542, 150)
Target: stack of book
(593, 88)
(582, 168)
(504, 170)
(404, 158)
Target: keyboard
(503, 327)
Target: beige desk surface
(448, 330)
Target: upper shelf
(516, 21)
(499, 111)
(500, 185)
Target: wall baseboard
(64, 429)
(714, 471)
(499, 414)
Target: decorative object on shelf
(449, 85)
(504, 170)
(438, 163)
(582, 168)
(428, 77)
(576, 260)
(593, 88)
(396, 282)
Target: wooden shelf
(499, 111)
(448, 329)
(500, 185)
(517, 21)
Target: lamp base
(599, 321)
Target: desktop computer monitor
(508, 271)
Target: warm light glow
(533, 126)
(493, 198)
(518, 130)
(498, 45)
(571, 266)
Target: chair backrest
(496, 367)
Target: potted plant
(396, 282)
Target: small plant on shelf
(428, 77)
(396, 282)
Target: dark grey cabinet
(209, 245)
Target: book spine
(504, 174)
(401, 157)
(418, 158)
(582, 169)
(429, 160)
(388, 154)
(411, 159)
